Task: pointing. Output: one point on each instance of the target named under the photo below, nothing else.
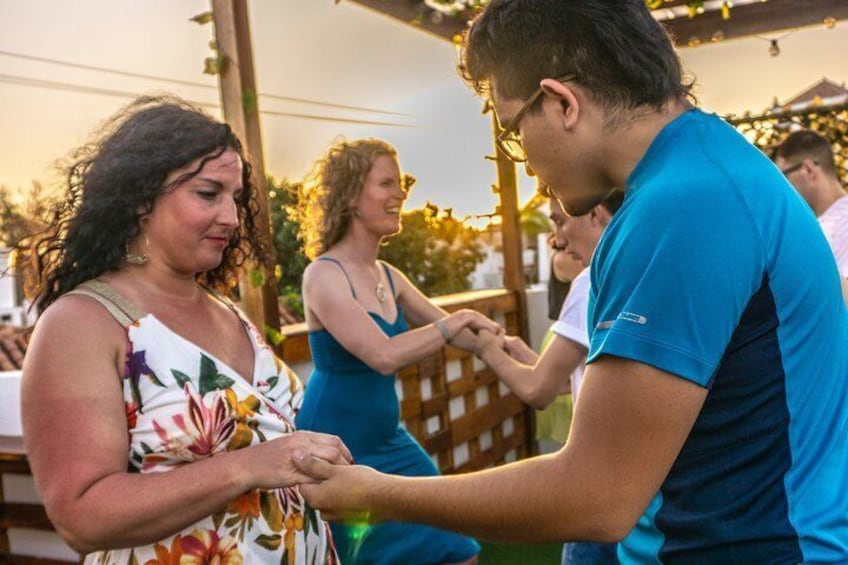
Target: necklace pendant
(381, 292)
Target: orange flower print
(164, 556)
(247, 508)
(294, 524)
(246, 505)
(206, 547)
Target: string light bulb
(830, 22)
(774, 48)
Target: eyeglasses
(789, 170)
(509, 141)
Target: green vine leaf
(202, 19)
(257, 277)
(274, 336)
(214, 65)
(248, 101)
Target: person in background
(564, 269)
(806, 159)
(538, 379)
(158, 424)
(357, 309)
(712, 423)
(554, 421)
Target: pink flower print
(204, 547)
(209, 428)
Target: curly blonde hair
(336, 180)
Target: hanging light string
(774, 46)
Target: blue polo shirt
(716, 271)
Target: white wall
(738, 75)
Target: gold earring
(135, 259)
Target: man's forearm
(512, 503)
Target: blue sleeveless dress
(347, 398)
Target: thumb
(312, 466)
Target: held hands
(472, 320)
(271, 464)
(488, 342)
(339, 492)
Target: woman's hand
(270, 464)
(472, 320)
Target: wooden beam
(756, 19)
(414, 13)
(239, 98)
(745, 20)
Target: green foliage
(435, 250)
(534, 222)
(288, 252)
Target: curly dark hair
(113, 182)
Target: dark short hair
(620, 54)
(807, 144)
(114, 181)
(614, 201)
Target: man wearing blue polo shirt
(712, 425)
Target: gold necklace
(380, 290)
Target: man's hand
(340, 492)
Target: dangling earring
(356, 213)
(134, 259)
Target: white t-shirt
(573, 320)
(834, 223)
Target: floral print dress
(184, 405)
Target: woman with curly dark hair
(357, 310)
(157, 422)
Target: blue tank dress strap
(337, 262)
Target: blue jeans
(589, 553)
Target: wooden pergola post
(513, 278)
(237, 84)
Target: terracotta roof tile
(13, 344)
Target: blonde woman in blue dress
(357, 309)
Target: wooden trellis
(770, 129)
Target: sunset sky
(330, 55)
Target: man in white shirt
(806, 159)
(538, 379)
